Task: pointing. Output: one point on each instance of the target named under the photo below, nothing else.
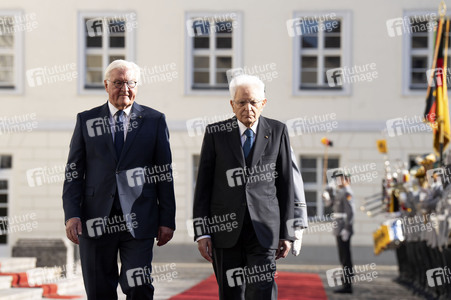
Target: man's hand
(204, 246)
(73, 229)
(297, 244)
(165, 234)
(283, 249)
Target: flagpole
(442, 138)
(445, 87)
(436, 46)
(326, 160)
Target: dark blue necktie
(249, 141)
(119, 133)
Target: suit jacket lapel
(235, 142)
(263, 134)
(108, 138)
(135, 121)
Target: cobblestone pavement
(191, 269)
(381, 286)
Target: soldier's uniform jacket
(343, 207)
(430, 217)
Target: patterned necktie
(247, 146)
(119, 133)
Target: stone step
(16, 264)
(70, 286)
(21, 294)
(5, 282)
(39, 276)
(80, 296)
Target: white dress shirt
(126, 119)
(243, 128)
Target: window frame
(237, 52)
(4, 177)
(6, 174)
(130, 47)
(19, 55)
(318, 185)
(407, 55)
(345, 52)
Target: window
(104, 38)
(11, 50)
(313, 177)
(5, 166)
(321, 43)
(212, 41)
(418, 33)
(3, 211)
(5, 162)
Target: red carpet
(291, 286)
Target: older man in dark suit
(119, 202)
(244, 195)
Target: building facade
(351, 71)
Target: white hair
(123, 64)
(247, 80)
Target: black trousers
(245, 271)
(100, 268)
(344, 254)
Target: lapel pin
(266, 137)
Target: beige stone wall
(160, 39)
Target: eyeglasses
(119, 84)
(242, 103)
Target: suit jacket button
(112, 195)
(117, 172)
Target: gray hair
(247, 80)
(123, 64)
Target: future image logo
(435, 76)
(235, 177)
(196, 127)
(335, 77)
(334, 277)
(348, 75)
(411, 24)
(96, 227)
(312, 124)
(201, 26)
(293, 224)
(312, 24)
(137, 277)
(357, 273)
(235, 277)
(135, 177)
(115, 24)
(438, 276)
(410, 125)
(97, 127)
(49, 75)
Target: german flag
(437, 112)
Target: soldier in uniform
(343, 208)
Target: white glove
(326, 198)
(345, 235)
(297, 244)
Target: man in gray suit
(120, 202)
(244, 195)
(300, 207)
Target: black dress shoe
(345, 290)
